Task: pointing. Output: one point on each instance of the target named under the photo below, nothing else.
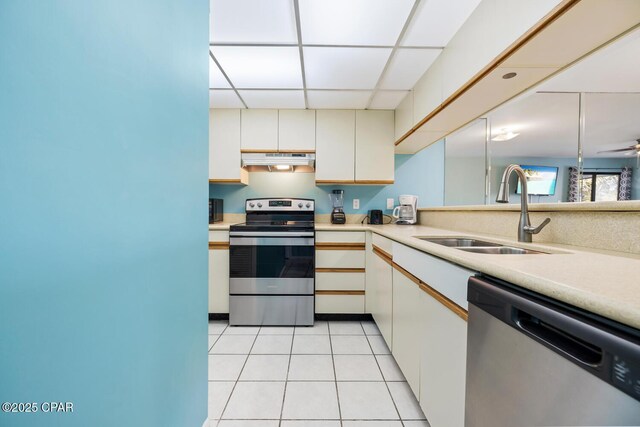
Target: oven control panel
(291, 205)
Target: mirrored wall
(576, 135)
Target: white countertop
(603, 282)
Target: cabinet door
(224, 146)
(374, 146)
(382, 297)
(335, 146)
(218, 280)
(259, 130)
(443, 363)
(406, 328)
(297, 130)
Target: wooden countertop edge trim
(226, 181)
(386, 257)
(218, 245)
(338, 246)
(457, 310)
(551, 17)
(354, 182)
(338, 292)
(339, 270)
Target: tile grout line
(335, 376)
(384, 379)
(237, 379)
(286, 378)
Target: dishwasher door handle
(577, 349)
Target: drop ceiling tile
(252, 21)
(348, 99)
(273, 98)
(407, 66)
(260, 67)
(436, 22)
(353, 22)
(224, 99)
(387, 99)
(216, 79)
(343, 68)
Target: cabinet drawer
(339, 303)
(340, 259)
(448, 279)
(340, 281)
(383, 243)
(218, 235)
(340, 237)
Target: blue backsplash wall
(420, 174)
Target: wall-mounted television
(541, 180)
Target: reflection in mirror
(465, 165)
(539, 132)
(610, 148)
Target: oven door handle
(271, 234)
(271, 241)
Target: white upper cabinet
(224, 147)
(335, 146)
(374, 146)
(297, 130)
(259, 130)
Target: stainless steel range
(272, 264)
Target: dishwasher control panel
(625, 375)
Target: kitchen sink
(500, 250)
(469, 244)
(459, 242)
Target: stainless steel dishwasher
(532, 361)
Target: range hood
(279, 162)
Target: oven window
(272, 261)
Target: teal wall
(421, 174)
(103, 164)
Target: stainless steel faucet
(525, 229)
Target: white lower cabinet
(381, 298)
(406, 328)
(218, 280)
(443, 363)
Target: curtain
(573, 185)
(624, 189)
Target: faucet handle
(535, 230)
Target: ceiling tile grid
(353, 53)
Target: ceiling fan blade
(632, 148)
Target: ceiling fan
(632, 149)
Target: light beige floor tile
(311, 400)
(309, 423)
(276, 330)
(370, 328)
(390, 369)
(311, 367)
(311, 344)
(255, 400)
(272, 344)
(350, 344)
(242, 330)
(320, 327)
(262, 367)
(366, 401)
(405, 401)
(219, 392)
(212, 340)
(345, 328)
(217, 327)
(248, 423)
(378, 344)
(233, 344)
(225, 367)
(356, 368)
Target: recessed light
(284, 167)
(509, 75)
(504, 135)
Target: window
(599, 187)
